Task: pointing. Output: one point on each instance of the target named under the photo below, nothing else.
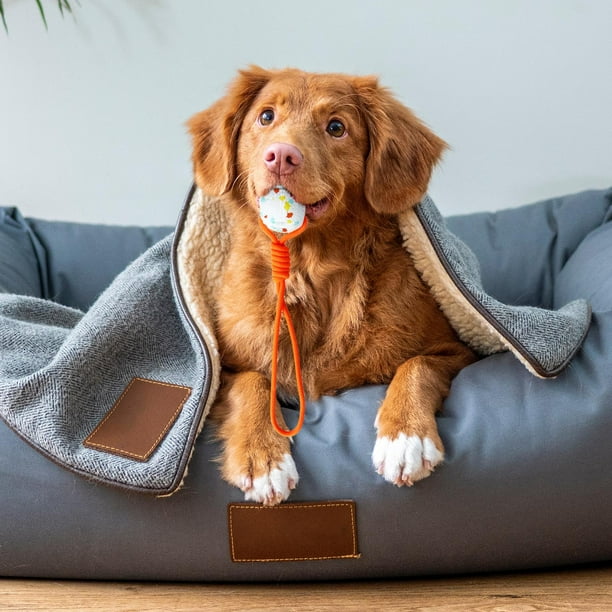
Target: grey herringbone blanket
(72, 383)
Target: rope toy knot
(281, 261)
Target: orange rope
(281, 267)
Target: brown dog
(356, 157)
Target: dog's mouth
(314, 211)
(317, 209)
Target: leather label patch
(293, 532)
(139, 420)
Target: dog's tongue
(280, 212)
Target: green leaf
(42, 14)
(64, 5)
(2, 15)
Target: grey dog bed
(526, 481)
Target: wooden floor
(588, 589)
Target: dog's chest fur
(350, 333)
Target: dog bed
(526, 481)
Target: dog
(356, 157)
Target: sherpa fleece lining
(544, 341)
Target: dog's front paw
(405, 459)
(270, 487)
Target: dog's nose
(282, 158)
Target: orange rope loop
(281, 267)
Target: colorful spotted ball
(280, 212)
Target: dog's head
(329, 139)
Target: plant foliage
(63, 6)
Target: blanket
(120, 393)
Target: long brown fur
(361, 311)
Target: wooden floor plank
(588, 589)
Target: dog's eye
(266, 117)
(336, 128)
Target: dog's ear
(403, 151)
(214, 132)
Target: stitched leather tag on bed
(139, 420)
(293, 532)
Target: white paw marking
(405, 459)
(274, 486)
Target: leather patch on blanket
(139, 420)
(309, 531)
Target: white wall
(92, 111)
